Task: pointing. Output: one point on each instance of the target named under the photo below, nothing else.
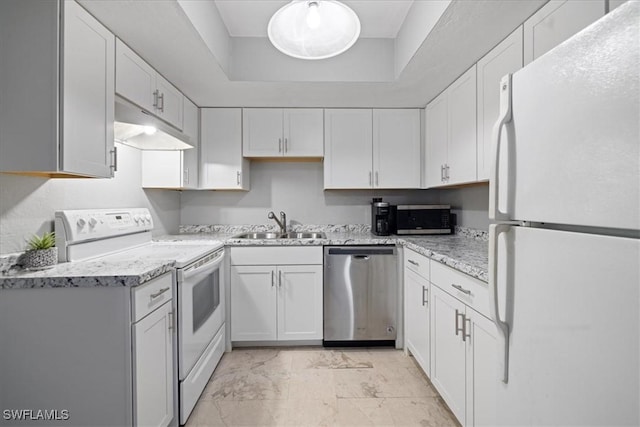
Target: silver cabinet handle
(286, 147)
(272, 278)
(413, 262)
(466, 333)
(171, 320)
(155, 97)
(441, 173)
(280, 278)
(377, 181)
(458, 328)
(446, 168)
(157, 294)
(279, 145)
(114, 160)
(370, 181)
(238, 177)
(425, 301)
(186, 175)
(161, 98)
(461, 289)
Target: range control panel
(92, 224)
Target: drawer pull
(461, 289)
(413, 262)
(160, 292)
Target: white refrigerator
(564, 252)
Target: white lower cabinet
(152, 352)
(153, 364)
(417, 322)
(463, 354)
(276, 302)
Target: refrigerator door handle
(502, 326)
(503, 118)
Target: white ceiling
(163, 35)
(249, 18)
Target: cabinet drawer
(416, 263)
(471, 291)
(151, 295)
(276, 255)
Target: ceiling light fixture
(316, 29)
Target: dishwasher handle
(361, 257)
(359, 251)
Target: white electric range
(125, 234)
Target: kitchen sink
(304, 235)
(259, 236)
(290, 235)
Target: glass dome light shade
(316, 29)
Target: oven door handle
(211, 263)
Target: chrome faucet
(282, 223)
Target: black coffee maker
(380, 217)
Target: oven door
(201, 311)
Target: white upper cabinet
(451, 134)
(503, 59)
(557, 21)
(277, 132)
(138, 82)
(303, 132)
(367, 148)
(57, 102)
(222, 166)
(437, 139)
(348, 149)
(176, 169)
(613, 4)
(396, 148)
(461, 158)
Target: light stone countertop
(84, 274)
(466, 251)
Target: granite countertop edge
(460, 252)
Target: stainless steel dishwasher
(360, 295)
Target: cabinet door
(303, 132)
(170, 106)
(153, 363)
(482, 374)
(396, 148)
(348, 148)
(557, 21)
(416, 294)
(299, 302)
(437, 140)
(135, 79)
(162, 169)
(191, 128)
(448, 350)
(613, 4)
(88, 99)
(503, 59)
(222, 166)
(262, 132)
(462, 155)
(253, 303)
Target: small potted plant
(41, 252)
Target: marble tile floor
(319, 387)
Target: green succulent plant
(48, 240)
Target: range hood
(137, 128)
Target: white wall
(297, 189)
(28, 204)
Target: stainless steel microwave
(422, 219)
